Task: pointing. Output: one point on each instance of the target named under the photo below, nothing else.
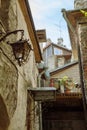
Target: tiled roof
(58, 46)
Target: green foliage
(84, 12)
(63, 80)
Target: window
(57, 51)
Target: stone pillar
(82, 34)
(80, 4)
(83, 51)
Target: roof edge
(24, 5)
(63, 67)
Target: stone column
(83, 51)
(82, 34)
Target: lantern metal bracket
(21, 48)
(11, 32)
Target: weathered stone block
(8, 83)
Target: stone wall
(4, 9)
(82, 35)
(8, 82)
(80, 4)
(83, 50)
(15, 80)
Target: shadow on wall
(4, 118)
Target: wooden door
(57, 117)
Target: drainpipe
(80, 65)
(39, 77)
(39, 103)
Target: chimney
(60, 41)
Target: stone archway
(4, 118)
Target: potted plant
(66, 84)
(69, 85)
(62, 82)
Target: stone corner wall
(14, 80)
(8, 88)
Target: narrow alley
(43, 65)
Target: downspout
(80, 65)
(39, 77)
(39, 102)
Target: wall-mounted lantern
(21, 48)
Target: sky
(47, 15)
